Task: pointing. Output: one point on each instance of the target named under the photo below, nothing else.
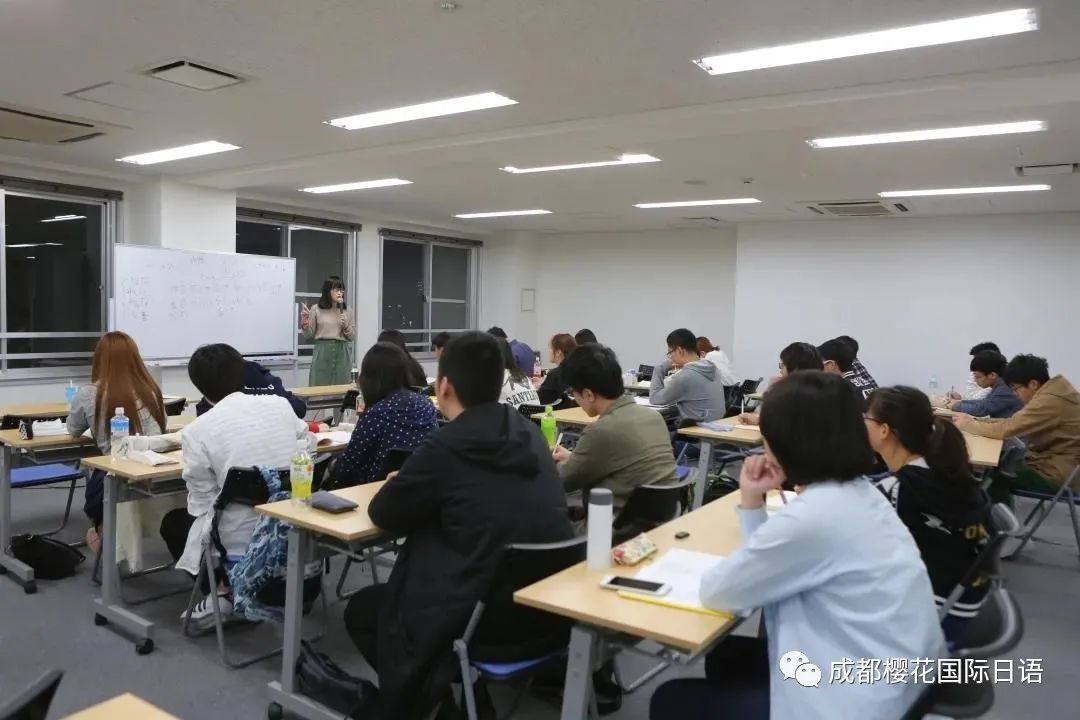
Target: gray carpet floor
(55, 629)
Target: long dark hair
(384, 371)
(516, 373)
(329, 285)
(907, 412)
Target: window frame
(471, 301)
(110, 232)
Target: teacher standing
(331, 326)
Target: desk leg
(577, 693)
(283, 695)
(20, 571)
(109, 607)
(701, 482)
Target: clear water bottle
(933, 386)
(119, 427)
(301, 472)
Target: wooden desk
(984, 452)
(37, 410)
(316, 392)
(575, 593)
(709, 439)
(641, 387)
(353, 528)
(123, 707)
(571, 416)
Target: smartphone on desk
(642, 587)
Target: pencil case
(634, 550)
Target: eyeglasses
(1014, 388)
(669, 353)
(872, 419)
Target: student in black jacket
(479, 483)
(260, 381)
(553, 390)
(417, 376)
(933, 491)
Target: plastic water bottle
(601, 515)
(548, 426)
(118, 430)
(69, 393)
(301, 472)
(933, 386)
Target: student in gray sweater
(695, 389)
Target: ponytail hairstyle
(908, 414)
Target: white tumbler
(601, 515)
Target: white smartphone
(642, 587)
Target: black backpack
(50, 559)
(320, 678)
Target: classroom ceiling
(593, 79)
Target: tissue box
(634, 551)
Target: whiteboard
(172, 301)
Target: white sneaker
(202, 615)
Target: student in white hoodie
(517, 389)
(836, 573)
(240, 430)
(707, 351)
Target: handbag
(50, 559)
(322, 679)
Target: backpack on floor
(320, 678)
(50, 559)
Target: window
(54, 249)
(428, 286)
(319, 251)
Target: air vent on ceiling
(38, 127)
(705, 221)
(193, 75)
(857, 208)
(1047, 169)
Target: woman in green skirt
(331, 326)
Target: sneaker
(202, 615)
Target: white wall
(631, 289)
(916, 293)
(197, 218)
(508, 265)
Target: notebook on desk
(682, 570)
(334, 437)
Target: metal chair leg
(1072, 514)
(1042, 517)
(341, 580)
(467, 690)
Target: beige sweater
(327, 325)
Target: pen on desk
(558, 440)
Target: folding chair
(51, 474)
(645, 372)
(1064, 494)
(242, 486)
(175, 407)
(988, 562)
(650, 506)
(544, 637)
(735, 401)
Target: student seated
(795, 357)
(707, 351)
(523, 354)
(438, 342)
(627, 446)
(839, 358)
(242, 431)
(696, 389)
(1049, 424)
(260, 381)
(933, 491)
(835, 572)
(482, 481)
(394, 417)
(417, 376)
(585, 335)
(867, 380)
(553, 389)
(517, 389)
(987, 368)
(118, 378)
(974, 391)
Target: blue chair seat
(681, 471)
(34, 475)
(501, 671)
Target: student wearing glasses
(795, 357)
(695, 389)
(818, 595)
(1049, 424)
(1000, 401)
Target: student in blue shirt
(987, 369)
(835, 572)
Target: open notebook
(682, 570)
(332, 438)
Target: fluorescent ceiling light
(26, 245)
(502, 213)
(30, 257)
(362, 185)
(697, 203)
(450, 106)
(62, 218)
(965, 131)
(179, 153)
(903, 38)
(965, 191)
(625, 159)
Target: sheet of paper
(44, 428)
(682, 569)
(332, 438)
(644, 401)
